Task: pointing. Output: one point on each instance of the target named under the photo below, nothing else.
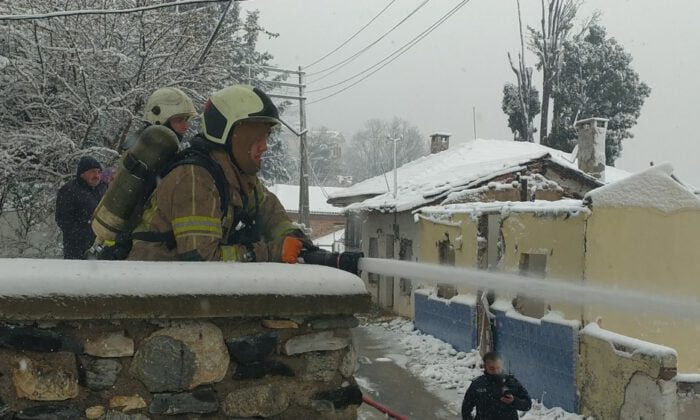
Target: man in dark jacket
(75, 203)
(496, 396)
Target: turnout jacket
(485, 393)
(186, 205)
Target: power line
(107, 11)
(411, 42)
(396, 54)
(352, 37)
(357, 54)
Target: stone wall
(156, 364)
(156, 368)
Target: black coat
(485, 393)
(75, 203)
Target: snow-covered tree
(278, 165)
(76, 85)
(371, 150)
(325, 150)
(597, 80)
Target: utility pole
(474, 120)
(303, 163)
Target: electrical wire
(353, 36)
(393, 56)
(375, 42)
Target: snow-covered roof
(655, 187)
(326, 242)
(20, 278)
(289, 196)
(434, 176)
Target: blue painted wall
(541, 356)
(451, 322)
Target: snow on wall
(35, 278)
(539, 208)
(627, 346)
(434, 176)
(654, 188)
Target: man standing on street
(496, 396)
(75, 203)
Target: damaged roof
(430, 178)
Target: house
(481, 171)
(323, 217)
(542, 213)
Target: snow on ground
(446, 372)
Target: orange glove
(291, 248)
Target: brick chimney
(591, 146)
(439, 142)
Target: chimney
(439, 142)
(591, 146)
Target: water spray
(555, 290)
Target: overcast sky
(463, 64)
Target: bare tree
(524, 76)
(371, 151)
(547, 43)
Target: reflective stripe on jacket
(186, 202)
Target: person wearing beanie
(75, 203)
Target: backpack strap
(197, 154)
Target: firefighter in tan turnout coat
(193, 215)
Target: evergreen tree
(596, 80)
(324, 152)
(512, 108)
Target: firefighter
(221, 211)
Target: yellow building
(641, 233)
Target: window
(405, 254)
(446, 255)
(353, 233)
(533, 266)
(386, 287)
(373, 278)
(446, 252)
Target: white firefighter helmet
(233, 104)
(166, 103)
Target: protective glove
(286, 249)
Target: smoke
(551, 289)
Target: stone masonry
(192, 341)
(147, 369)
